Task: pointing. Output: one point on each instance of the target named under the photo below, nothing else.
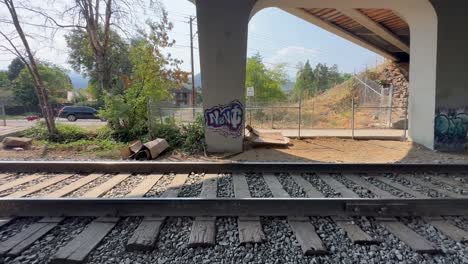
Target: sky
(278, 36)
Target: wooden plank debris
(369, 186)
(310, 242)
(39, 186)
(19, 181)
(79, 248)
(145, 235)
(16, 244)
(203, 231)
(106, 186)
(73, 186)
(338, 186)
(447, 228)
(408, 236)
(250, 228)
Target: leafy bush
(190, 138)
(66, 133)
(170, 132)
(194, 136)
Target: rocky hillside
(397, 75)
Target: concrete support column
(222, 36)
(451, 117)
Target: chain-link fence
(357, 104)
(299, 118)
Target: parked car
(73, 113)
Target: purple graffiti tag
(226, 119)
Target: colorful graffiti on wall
(227, 120)
(450, 130)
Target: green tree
(322, 77)
(266, 82)
(115, 68)
(305, 81)
(153, 74)
(54, 77)
(14, 69)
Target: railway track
(122, 212)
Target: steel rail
(232, 207)
(217, 167)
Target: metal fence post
(3, 115)
(272, 117)
(352, 117)
(300, 120)
(390, 104)
(405, 127)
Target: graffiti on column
(450, 129)
(227, 120)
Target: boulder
(16, 142)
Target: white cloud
(292, 55)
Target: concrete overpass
(429, 34)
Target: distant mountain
(78, 81)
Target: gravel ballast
(388, 188)
(291, 186)
(192, 186)
(361, 191)
(225, 186)
(419, 188)
(321, 186)
(258, 186)
(100, 180)
(59, 185)
(160, 186)
(25, 185)
(125, 187)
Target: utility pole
(191, 62)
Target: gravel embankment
(100, 180)
(225, 186)
(291, 186)
(321, 186)
(160, 186)
(419, 188)
(192, 186)
(125, 186)
(388, 188)
(54, 187)
(361, 191)
(258, 186)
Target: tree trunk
(41, 89)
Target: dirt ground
(351, 151)
(307, 150)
